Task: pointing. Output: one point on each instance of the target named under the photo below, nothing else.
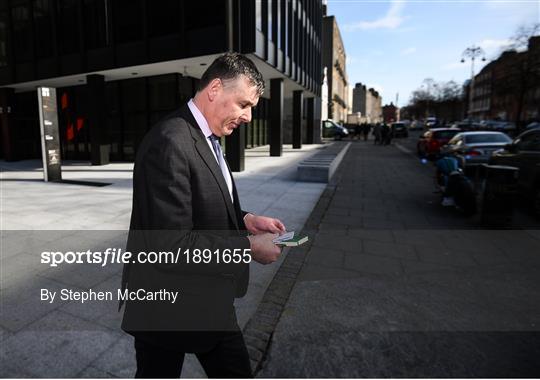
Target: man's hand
(263, 250)
(256, 224)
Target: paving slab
(36, 214)
(429, 294)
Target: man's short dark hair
(231, 66)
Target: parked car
(431, 122)
(429, 144)
(464, 125)
(331, 129)
(497, 125)
(400, 129)
(474, 148)
(534, 124)
(416, 125)
(351, 128)
(524, 153)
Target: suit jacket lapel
(208, 157)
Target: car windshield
(487, 138)
(444, 134)
(398, 125)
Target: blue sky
(394, 45)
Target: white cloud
(391, 20)
(492, 45)
(408, 51)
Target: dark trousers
(227, 359)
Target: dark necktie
(221, 162)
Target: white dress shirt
(205, 128)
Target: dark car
(429, 144)
(400, 130)
(524, 153)
(333, 130)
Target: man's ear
(214, 87)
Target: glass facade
(257, 131)
(164, 17)
(69, 26)
(96, 23)
(3, 38)
(22, 31)
(43, 25)
(128, 19)
(42, 39)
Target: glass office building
(134, 61)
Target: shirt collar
(200, 119)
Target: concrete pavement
(68, 339)
(395, 285)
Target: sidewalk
(394, 285)
(48, 341)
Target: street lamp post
(472, 53)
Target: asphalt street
(395, 285)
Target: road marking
(403, 149)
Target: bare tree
(440, 99)
(518, 73)
(520, 40)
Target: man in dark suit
(185, 201)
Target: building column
(275, 133)
(235, 148)
(7, 127)
(313, 129)
(317, 120)
(311, 121)
(99, 146)
(298, 102)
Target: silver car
(474, 148)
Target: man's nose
(246, 117)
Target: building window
(270, 33)
(162, 92)
(197, 15)
(43, 28)
(22, 32)
(96, 23)
(258, 15)
(128, 20)
(69, 26)
(3, 38)
(283, 25)
(163, 17)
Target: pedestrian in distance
(384, 133)
(377, 134)
(358, 130)
(365, 131)
(388, 135)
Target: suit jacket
(181, 201)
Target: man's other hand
(263, 250)
(257, 224)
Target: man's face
(232, 106)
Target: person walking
(377, 133)
(365, 131)
(185, 202)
